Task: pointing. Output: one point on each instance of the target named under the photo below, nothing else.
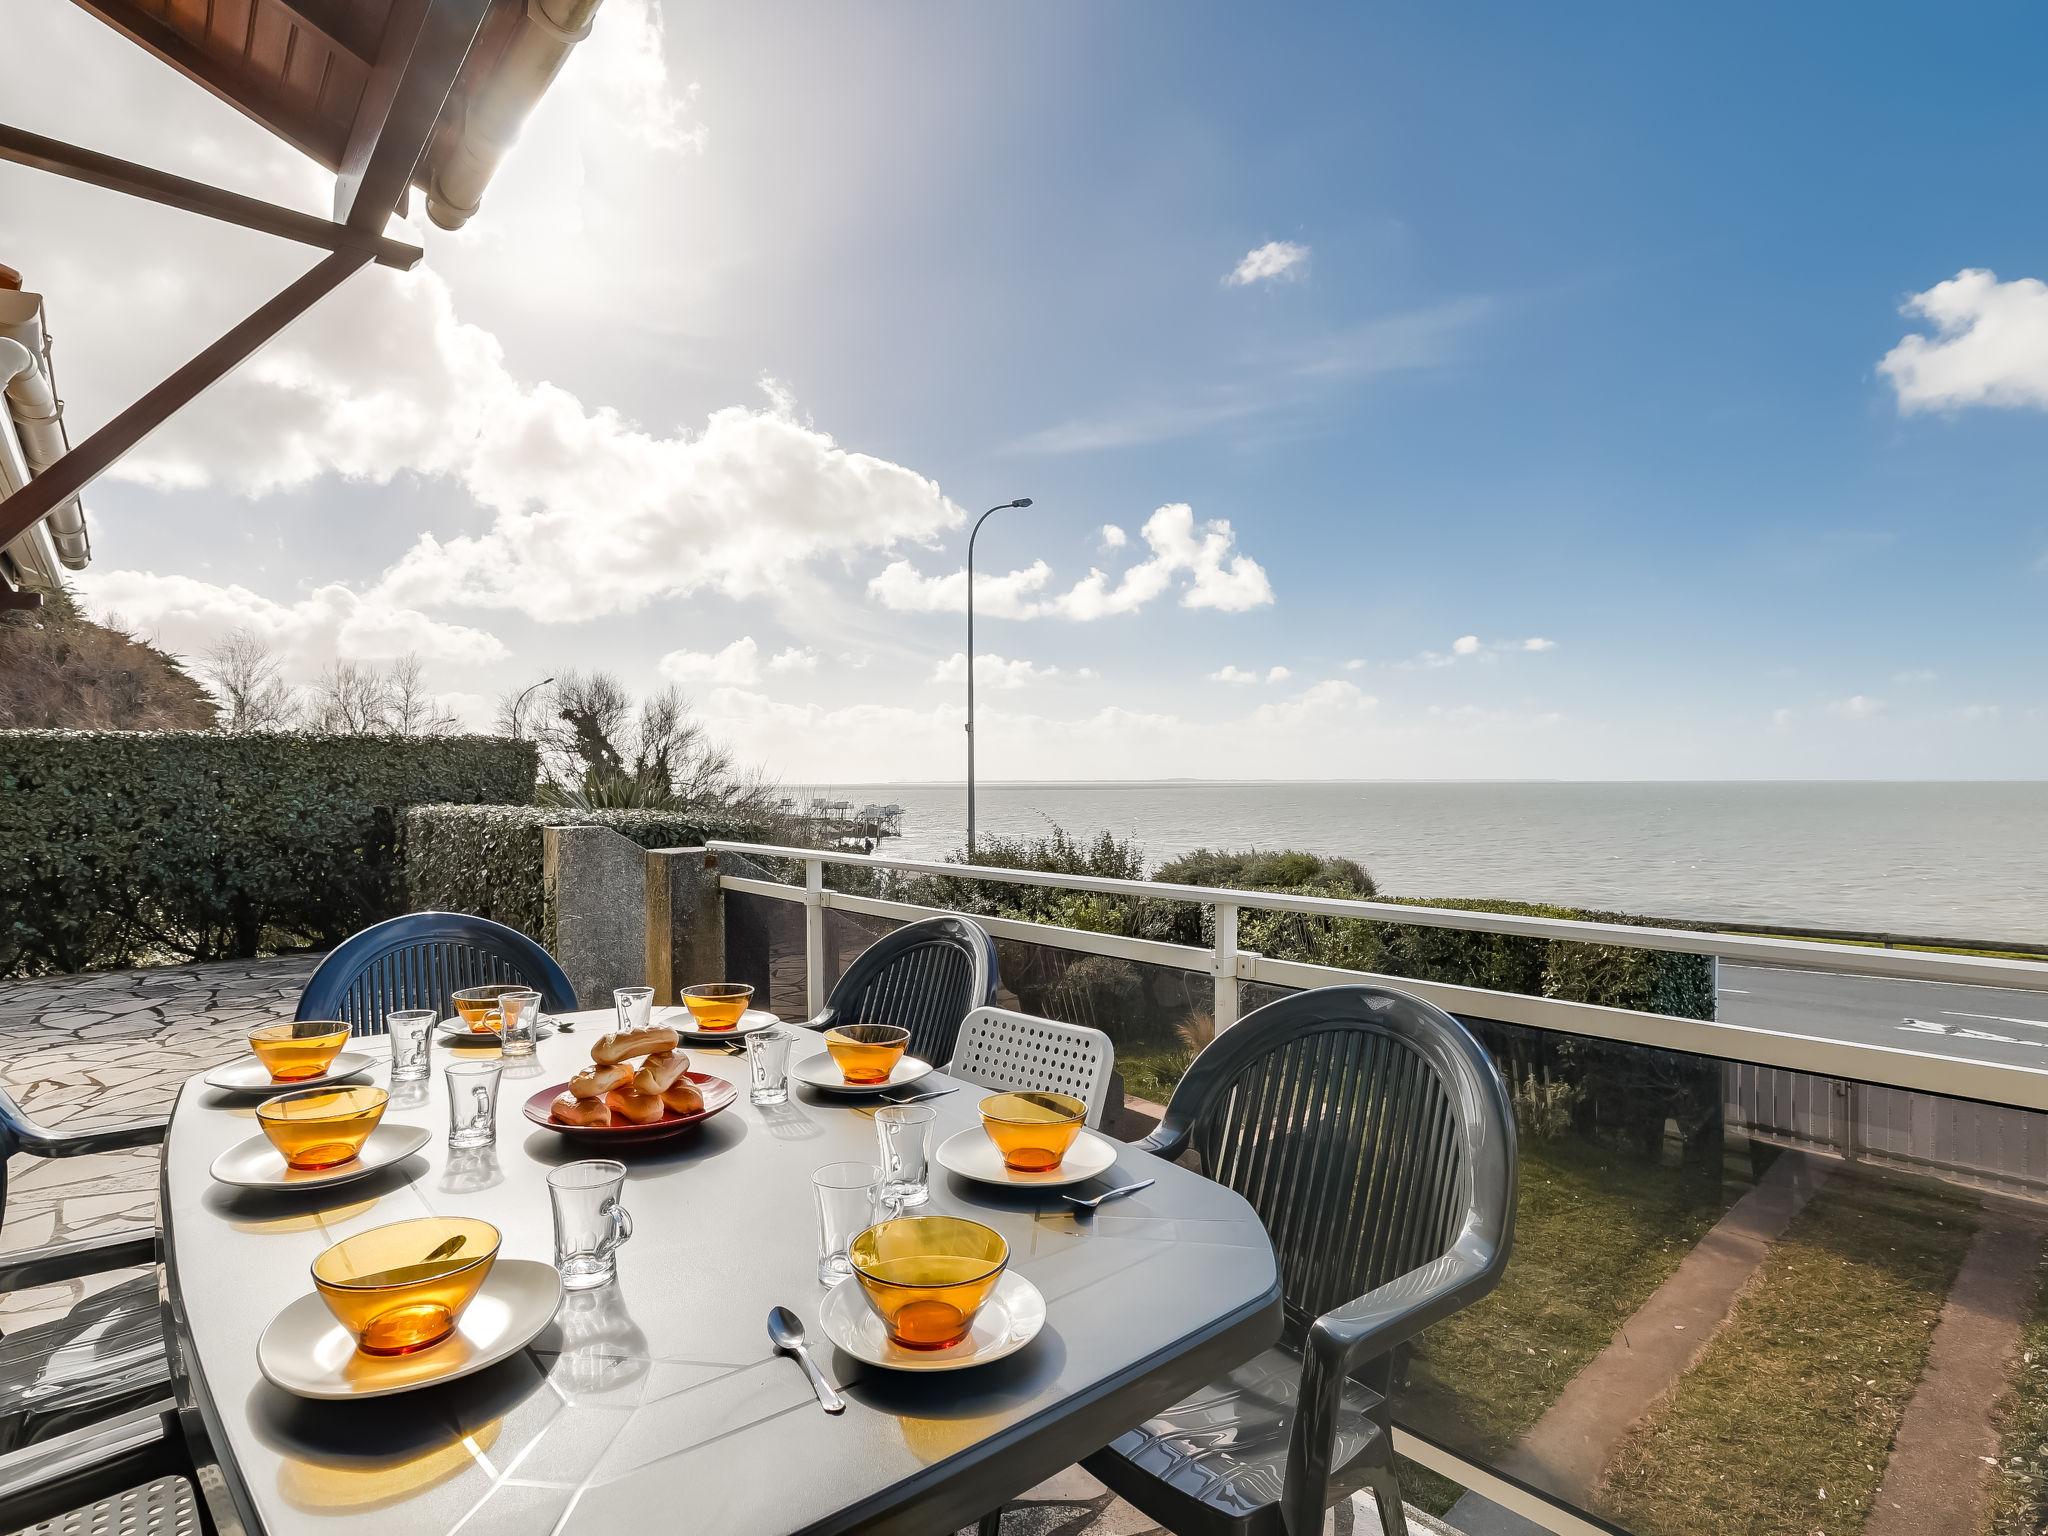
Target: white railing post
(814, 936)
(1224, 964)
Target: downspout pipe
(39, 422)
(501, 102)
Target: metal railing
(1229, 965)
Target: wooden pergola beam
(96, 169)
(425, 44)
(89, 459)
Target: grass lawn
(2019, 1497)
(1596, 1232)
(1153, 1076)
(1782, 1427)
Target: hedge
(486, 859)
(187, 845)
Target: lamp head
(1021, 501)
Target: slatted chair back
(926, 977)
(420, 960)
(1012, 1052)
(1365, 1126)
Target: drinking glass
(904, 1131)
(846, 1208)
(472, 1102)
(412, 1043)
(590, 1224)
(518, 1024)
(635, 1005)
(768, 1066)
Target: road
(1984, 1023)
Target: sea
(1961, 860)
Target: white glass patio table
(658, 1403)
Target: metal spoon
(1087, 1204)
(788, 1336)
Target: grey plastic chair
(926, 977)
(1374, 1138)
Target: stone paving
(112, 1047)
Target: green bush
(486, 859)
(124, 846)
(1253, 869)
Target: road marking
(1996, 1018)
(1744, 992)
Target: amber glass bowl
(322, 1127)
(1032, 1130)
(717, 1004)
(926, 1276)
(867, 1053)
(303, 1049)
(478, 1006)
(400, 1289)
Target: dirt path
(1568, 1447)
(1945, 1450)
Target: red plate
(717, 1094)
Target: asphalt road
(1984, 1023)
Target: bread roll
(570, 1110)
(631, 1104)
(620, 1044)
(682, 1097)
(596, 1082)
(657, 1072)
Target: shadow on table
(709, 1138)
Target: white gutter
(500, 103)
(37, 417)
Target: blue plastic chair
(418, 960)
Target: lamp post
(519, 708)
(1021, 501)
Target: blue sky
(1558, 440)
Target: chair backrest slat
(420, 960)
(1360, 1123)
(926, 977)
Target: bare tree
(599, 749)
(412, 710)
(247, 675)
(351, 699)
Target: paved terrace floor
(113, 1046)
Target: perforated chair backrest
(418, 961)
(927, 976)
(1365, 1126)
(1010, 1051)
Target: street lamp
(519, 707)
(1021, 501)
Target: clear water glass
(590, 1224)
(768, 1066)
(635, 1005)
(472, 1102)
(518, 1024)
(905, 1132)
(412, 1043)
(846, 1195)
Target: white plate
(821, 1071)
(752, 1022)
(454, 1032)
(256, 1164)
(972, 1155)
(1010, 1319)
(246, 1074)
(309, 1354)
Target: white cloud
(188, 615)
(1980, 712)
(738, 662)
(1534, 643)
(1856, 707)
(1001, 672)
(1989, 347)
(1355, 664)
(794, 659)
(1274, 259)
(1278, 674)
(1234, 675)
(1472, 647)
(1781, 719)
(1319, 704)
(1216, 575)
(1465, 645)
(1114, 537)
